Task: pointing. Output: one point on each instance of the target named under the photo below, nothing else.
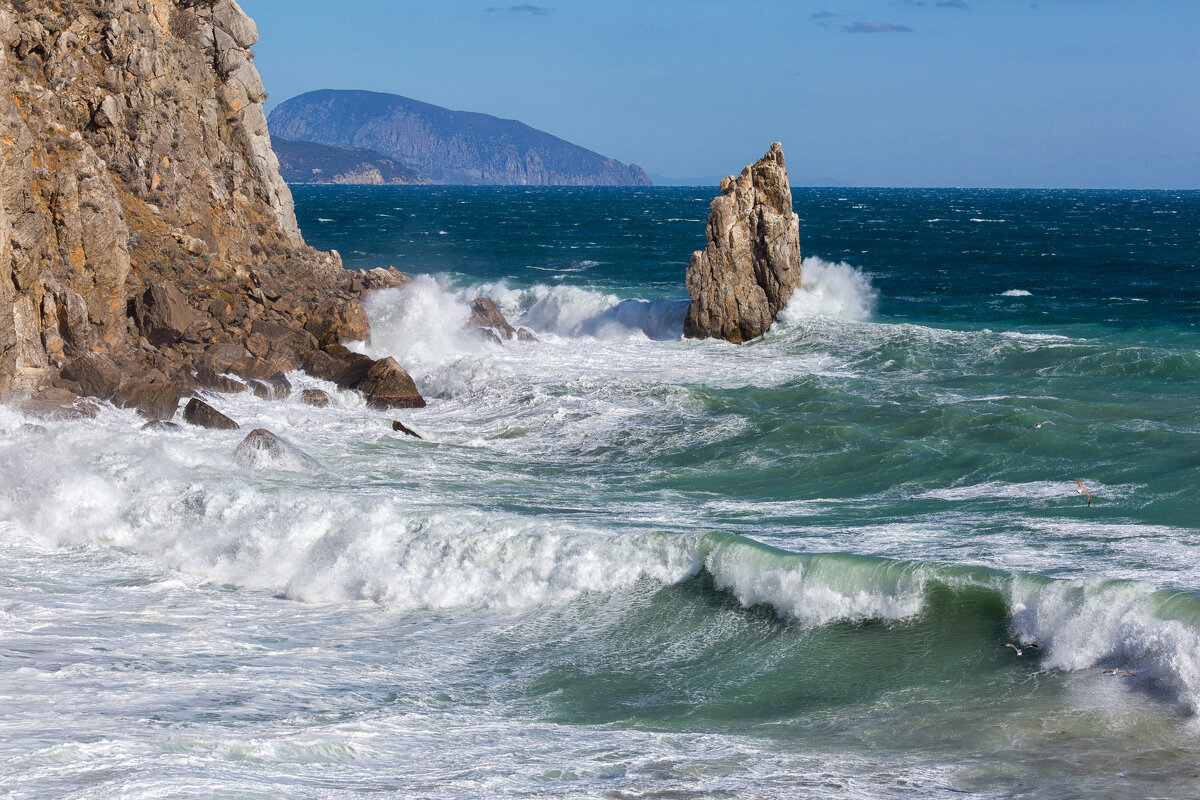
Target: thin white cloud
(876, 27)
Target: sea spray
(833, 289)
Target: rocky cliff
(746, 274)
(306, 162)
(146, 235)
(447, 146)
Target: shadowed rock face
(740, 282)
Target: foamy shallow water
(621, 563)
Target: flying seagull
(1118, 672)
(1040, 424)
(1021, 650)
(1084, 491)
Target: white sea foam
(832, 289)
(1016, 293)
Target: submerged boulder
(314, 397)
(262, 449)
(400, 427)
(739, 283)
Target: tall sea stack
(739, 283)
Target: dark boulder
(338, 365)
(207, 377)
(161, 425)
(95, 374)
(163, 314)
(400, 427)
(199, 413)
(152, 400)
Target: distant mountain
(447, 146)
(306, 162)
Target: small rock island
(746, 274)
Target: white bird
(1040, 424)
(1084, 491)
(1021, 650)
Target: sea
(622, 564)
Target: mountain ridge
(311, 163)
(447, 146)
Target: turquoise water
(626, 565)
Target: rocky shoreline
(149, 248)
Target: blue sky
(1054, 93)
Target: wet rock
(337, 365)
(388, 385)
(57, 403)
(314, 397)
(262, 449)
(207, 377)
(739, 283)
(162, 425)
(525, 335)
(95, 374)
(339, 321)
(275, 387)
(155, 401)
(486, 315)
(400, 427)
(199, 413)
(163, 314)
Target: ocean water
(624, 565)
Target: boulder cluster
(739, 283)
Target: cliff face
(447, 146)
(135, 151)
(746, 274)
(305, 162)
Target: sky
(990, 93)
